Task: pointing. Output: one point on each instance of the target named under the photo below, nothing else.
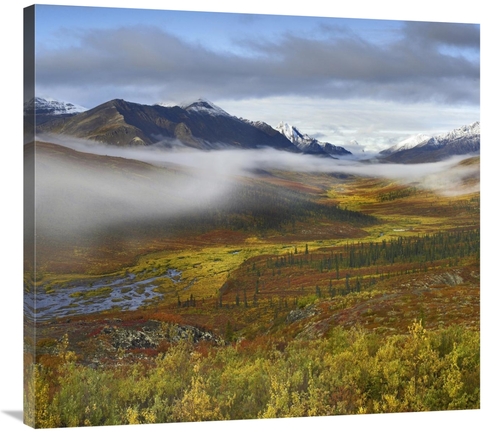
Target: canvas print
(239, 216)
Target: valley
(296, 294)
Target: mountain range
(200, 125)
(203, 125)
(422, 148)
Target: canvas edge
(29, 264)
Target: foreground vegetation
(348, 372)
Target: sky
(372, 81)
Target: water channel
(88, 296)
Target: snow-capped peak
(293, 134)
(464, 131)
(467, 131)
(308, 144)
(52, 106)
(409, 143)
(204, 106)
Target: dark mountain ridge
(199, 125)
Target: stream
(94, 295)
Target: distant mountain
(420, 148)
(199, 124)
(356, 148)
(41, 110)
(269, 130)
(310, 145)
(408, 143)
(47, 109)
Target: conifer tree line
(351, 268)
(414, 249)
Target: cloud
(139, 63)
(449, 34)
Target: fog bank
(74, 196)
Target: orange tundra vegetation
(310, 295)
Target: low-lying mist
(79, 192)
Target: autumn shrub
(348, 372)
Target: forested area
(411, 249)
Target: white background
(483, 12)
